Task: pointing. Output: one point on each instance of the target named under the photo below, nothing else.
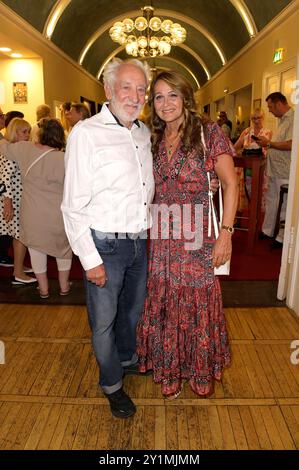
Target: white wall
(62, 78)
(29, 71)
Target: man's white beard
(121, 114)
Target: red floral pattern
(182, 334)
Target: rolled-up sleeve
(77, 197)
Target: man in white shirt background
(278, 163)
(109, 187)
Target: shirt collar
(287, 114)
(109, 115)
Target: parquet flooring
(49, 397)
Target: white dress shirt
(279, 161)
(109, 183)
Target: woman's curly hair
(190, 128)
(51, 133)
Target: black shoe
(133, 369)
(121, 404)
(263, 236)
(6, 261)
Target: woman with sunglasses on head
(248, 140)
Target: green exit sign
(278, 56)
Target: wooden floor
(49, 398)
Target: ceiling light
(147, 35)
(5, 49)
(16, 55)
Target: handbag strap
(212, 217)
(37, 160)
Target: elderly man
(109, 187)
(278, 162)
(78, 112)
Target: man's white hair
(112, 68)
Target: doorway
(281, 78)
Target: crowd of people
(276, 149)
(30, 212)
(119, 182)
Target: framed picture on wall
(20, 94)
(257, 103)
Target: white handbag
(224, 269)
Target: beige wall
(30, 72)
(64, 82)
(252, 64)
(62, 79)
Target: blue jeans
(114, 309)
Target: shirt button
(145, 203)
(137, 146)
(143, 184)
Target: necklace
(171, 147)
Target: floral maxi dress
(182, 334)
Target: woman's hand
(262, 141)
(222, 250)
(8, 211)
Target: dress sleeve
(217, 143)
(12, 151)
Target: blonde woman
(248, 140)
(42, 229)
(17, 130)
(64, 109)
(249, 136)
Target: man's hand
(263, 141)
(97, 275)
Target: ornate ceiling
(216, 29)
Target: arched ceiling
(216, 29)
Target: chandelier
(140, 36)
